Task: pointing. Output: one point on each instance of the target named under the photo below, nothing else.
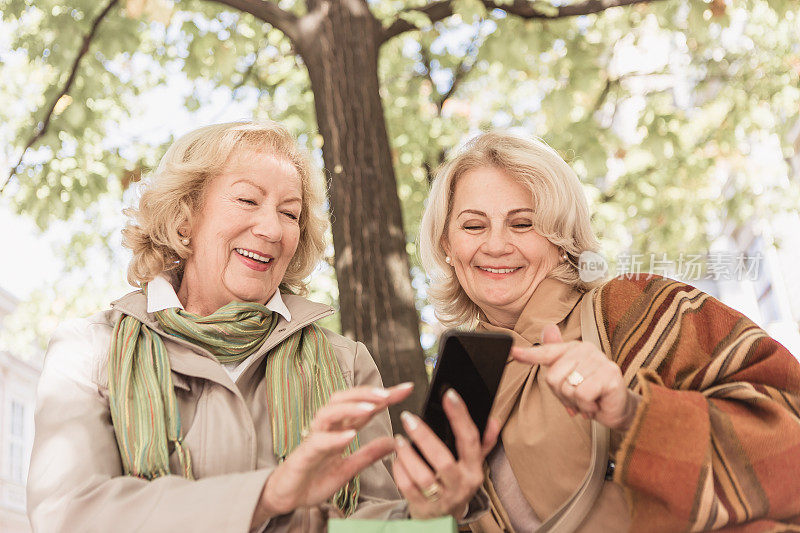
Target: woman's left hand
(449, 487)
(583, 378)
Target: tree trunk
(375, 293)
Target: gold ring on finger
(575, 379)
(432, 492)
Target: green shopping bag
(444, 524)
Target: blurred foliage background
(680, 117)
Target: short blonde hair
(561, 214)
(174, 194)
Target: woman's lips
(253, 263)
(497, 273)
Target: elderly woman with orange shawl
(637, 403)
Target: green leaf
(469, 10)
(417, 18)
(545, 8)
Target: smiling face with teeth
(498, 258)
(245, 234)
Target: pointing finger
(545, 354)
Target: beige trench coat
(75, 481)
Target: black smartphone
(472, 363)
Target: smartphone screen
(471, 363)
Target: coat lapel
(550, 303)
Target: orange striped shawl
(716, 442)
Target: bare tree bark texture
(341, 53)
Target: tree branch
(614, 83)
(464, 67)
(427, 62)
(439, 101)
(247, 73)
(603, 94)
(42, 126)
(459, 73)
(526, 9)
(436, 11)
(267, 11)
(441, 9)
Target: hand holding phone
(438, 479)
(472, 364)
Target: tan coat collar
(303, 311)
(548, 451)
(187, 362)
(550, 303)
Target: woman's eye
(247, 201)
(521, 225)
(472, 227)
(290, 215)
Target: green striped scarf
(301, 375)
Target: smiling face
(245, 234)
(498, 257)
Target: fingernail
(452, 396)
(350, 434)
(409, 420)
(405, 385)
(399, 441)
(383, 393)
(365, 406)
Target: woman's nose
(267, 225)
(496, 242)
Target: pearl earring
(564, 256)
(447, 259)
(185, 241)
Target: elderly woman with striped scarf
(632, 404)
(211, 400)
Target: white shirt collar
(161, 295)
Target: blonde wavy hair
(561, 214)
(173, 195)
